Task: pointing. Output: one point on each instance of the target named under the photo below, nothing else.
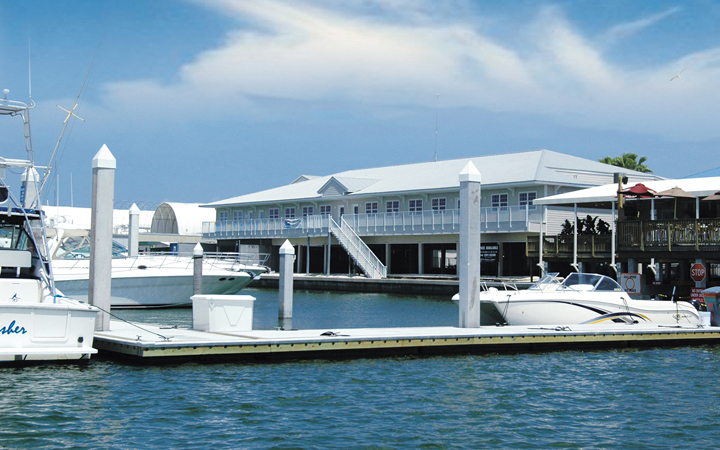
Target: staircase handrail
(358, 249)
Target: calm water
(646, 399)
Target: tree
(628, 161)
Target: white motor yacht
(36, 323)
(584, 298)
(157, 280)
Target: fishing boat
(37, 323)
(585, 298)
(157, 280)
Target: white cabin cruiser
(157, 280)
(584, 298)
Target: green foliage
(628, 161)
(587, 226)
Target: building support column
(420, 258)
(387, 258)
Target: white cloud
(628, 29)
(303, 51)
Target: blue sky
(209, 99)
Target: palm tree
(628, 161)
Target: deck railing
(669, 235)
(512, 218)
(589, 246)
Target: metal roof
(524, 168)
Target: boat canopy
(577, 281)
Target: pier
(153, 344)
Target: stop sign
(697, 272)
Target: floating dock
(153, 344)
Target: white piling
(133, 230)
(469, 251)
(197, 269)
(287, 254)
(101, 222)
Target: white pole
(575, 239)
(103, 187)
(133, 230)
(197, 269)
(287, 254)
(469, 250)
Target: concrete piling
(197, 269)
(287, 254)
(101, 222)
(133, 230)
(469, 251)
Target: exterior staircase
(357, 249)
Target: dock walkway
(153, 344)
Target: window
(392, 206)
(262, 215)
(342, 211)
(371, 208)
(251, 215)
(356, 209)
(439, 204)
(237, 215)
(289, 213)
(274, 213)
(527, 198)
(223, 216)
(325, 210)
(415, 206)
(307, 211)
(499, 201)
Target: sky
(203, 100)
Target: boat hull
(35, 332)
(161, 291)
(523, 308)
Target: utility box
(712, 300)
(222, 313)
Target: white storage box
(222, 313)
(705, 318)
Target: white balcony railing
(508, 219)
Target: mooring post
(197, 269)
(287, 253)
(469, 251)
(101, 223)
(133, 230)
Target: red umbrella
(638, 191)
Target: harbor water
(638, 399)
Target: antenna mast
(437, 108)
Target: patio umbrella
(677, 193)
(638, 191)
(715, 196)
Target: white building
(407, 215)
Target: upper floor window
(262, 215)
(325, 210)
(439, 204)
(307, 211)
(290, 213)
(527, 198)
(499, 201)
(415, 206)
(392, 206)
(223, 216)
(356, 209)
(274, 213)
(371, 208)
(237, 215)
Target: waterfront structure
(407, 216)
(670, 237)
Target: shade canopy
(638, 191)
(675, 192)
(715, 196)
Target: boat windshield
(548, 281)
(14, 236)
(591, 282)
(78, 247)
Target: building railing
(669, 235)
(507, 219)
(589, 246)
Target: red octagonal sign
(697, 272)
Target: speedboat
(584, 298)
(158, 280)
(37, 323)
